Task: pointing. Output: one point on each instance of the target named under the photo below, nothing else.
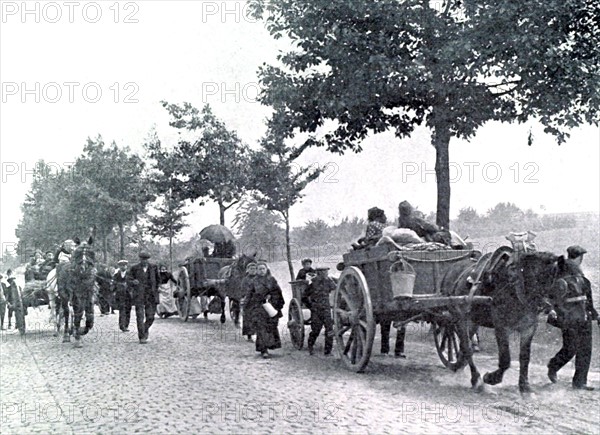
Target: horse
(76, 280)
(232, 277)
(521, 287)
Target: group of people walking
(145, 287)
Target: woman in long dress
(264, 289)
(166, 307)
(246, 286)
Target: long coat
(147, 289)
(263, 289)
(122, 287)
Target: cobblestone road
(200, 377)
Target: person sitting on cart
(376, 223)
(306, 271)
(46, 266)
(317, 294)
(33, 267)
(409, 218)
(224, 249)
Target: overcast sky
(199, 52)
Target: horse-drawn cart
(199, 278)
(34, 294)
(382, 283)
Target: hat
(575, 251)
(251, 264)
(122, 262)
(144, 255)
(307, 260)
(321, 269)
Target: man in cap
(122, 288)
(317, 294)
(145, 294)
(577, 341)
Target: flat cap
(575, 251)
(144, 255)
(122, 262)
(322, 269)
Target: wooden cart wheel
(447, 344)
(296, 323)
(184, 295)
(18, 308)
(353, 320)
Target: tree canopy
(371, 66)
(208, 162)
(105, 188)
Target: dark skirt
(247, 327)
(257, 321)
(267, 335)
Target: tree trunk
(105, 247)
(288, 250)
(221, 213)
(171, 252)
(441, 141)
(121, 241)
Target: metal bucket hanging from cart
(402, 277)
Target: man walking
(145, 294)
(320, 310)
(122, 288)
(577, 340)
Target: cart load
(383, 283)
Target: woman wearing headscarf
(376, 223)
(246, 286)
(264, 290)
(166, 307)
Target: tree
(169, 222)
(113, 190)
(505, 212)
(209, 160)
(468, 215)
(104, 188)
(315, 232)
(277, 185)
(390, 64)
(47, 219)
(259, 229)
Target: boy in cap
(145, 279)
(577, 341)
(317, 294)
(306, 270)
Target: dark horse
(521, 286)
(232, 286)
(76, 281)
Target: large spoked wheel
(447, 344)
(184, 294)
(18, 308)
(296, 323)
(354, 323)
